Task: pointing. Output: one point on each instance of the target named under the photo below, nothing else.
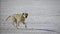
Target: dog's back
(19, 17)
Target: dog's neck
(24, 16)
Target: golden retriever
(18, 18)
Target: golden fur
(18, 18)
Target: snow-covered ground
(43, 18)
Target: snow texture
(43, 18)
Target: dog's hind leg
(17, 24)
(13, 23)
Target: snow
(43, 18)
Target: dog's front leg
(25, 24)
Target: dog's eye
(27, 14)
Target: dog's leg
(17, 24)
(14, 23)
(25, 24)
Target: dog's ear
(22, 13)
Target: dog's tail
(8, 18)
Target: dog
(18, 18)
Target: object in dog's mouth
(18, 18)
(26, 16)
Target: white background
(43, 14)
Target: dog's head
(25, 15)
